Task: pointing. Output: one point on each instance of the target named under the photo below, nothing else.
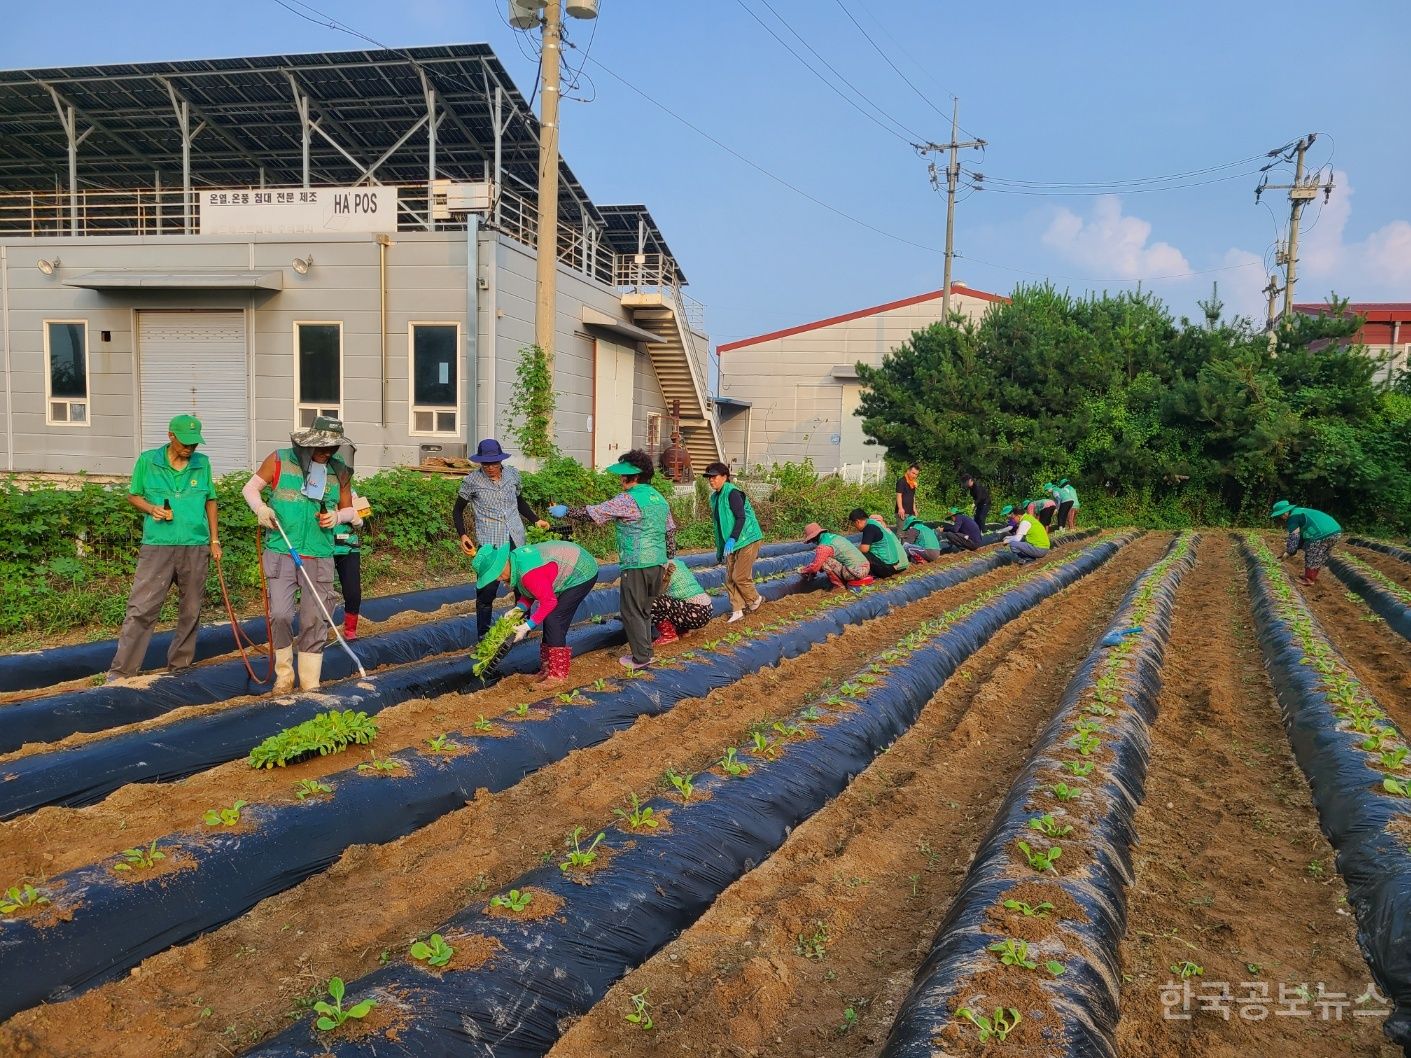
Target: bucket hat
(812, 531)
(489, 562)
(326, 432)
(1280, 509)
(489, 451)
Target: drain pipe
(383, 241)
(472, 330)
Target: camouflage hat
(326, 432)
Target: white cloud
(1109, 244)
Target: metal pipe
(472, 328)
(5, 338)
(383, 241)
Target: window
(318, 372)
(66, 381)
(435, 403)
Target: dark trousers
(557, 623)
(1045, 516)
(349, 568)
(1064, 509)
(159, 566)
(640, 587)
(982, 511)
(960, 540)
(484, 604)
(877, 567)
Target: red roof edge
(958, 291)
(1372, 311)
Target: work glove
(522, 630)
(729, 548)
(265, 516)
(559, 510)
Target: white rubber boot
(310, 667)
(283, 670)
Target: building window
(66, 381)
(318, 372)
(435, 403)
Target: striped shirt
(496, 507)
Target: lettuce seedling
(516, 900)
(433, 952)
(311, 788)
(140, 859)
(1041, 861)
(1064, 792)
(380, 764)
(224, 817)
(332, 1015)
(1045, 824)
(762, 745)
(441, 743)
(787, 731)
(1079, 767)
(682, 783)
(640, 815)
(731, 766)
(21, 898)
(639, 1015)
(811, 714)
(522, 709)
(1393, 758)
(1187, 969)
(1029, 910)
(1055, 967)
(1014, 953)
(996, 1027)
(577, 855)
(1400, 787)
(481, 724)
(1086, 744)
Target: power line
(1111, 279)
(1135, 181)
(982, 183)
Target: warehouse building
(259, 241)
(790, 395)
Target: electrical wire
(1134, 182)
(982, 183)
(1108, 279)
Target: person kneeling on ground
(884, 552)
(922, 544)
(837, 557)
(965, 533)
(549, 581)
(1313, 531)
(683, 605)
(1027, 539)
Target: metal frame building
(258, 240)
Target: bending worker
(309, 497)
(1312, 531)
(1027, 539)
(683, 605)
(965, 533)
(920, 540)
(980, 494)
(837, 557)
(884, 552)
(737, 539)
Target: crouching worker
(683, 605)
(964, 532)
(1313, 532)
(310, 496)
(1027, 539)
(835, 556)
(549, 582)
(922, 543)
(885, 555)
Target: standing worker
(884, 552)
(173, 487)
(966, 534)
(837, 557)
(1067, 497)
(310, 496)
(495, 495)
(737, 540)
(980, 494)
(682, 606)
(549, 582)
(646, 540)
(906, 495)
(1027, 539)
(1313, 531)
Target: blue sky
(1082, 92)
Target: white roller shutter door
(195, 363)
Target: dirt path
(183, 1002)
(863, 884)
(1232, 872)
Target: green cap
(489, 563)
(1049, 486)
(1008, 508)
(1280, 509)
(625, 469)
(953, 510)
(186, 429)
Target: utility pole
(547, 247)
(952, 182)
(1271, 292)
(1302, 191)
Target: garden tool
(309, 586)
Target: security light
(47, 267)
(303, 264)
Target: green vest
(297, 513)
(889, 549)
(683, 583)
(926, 538)
(576, 566)
(1037, 534)
(724, 519)
(1312, 525)
(641, 544)
(185, 490)
(844, 550)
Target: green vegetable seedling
(1045, 824)
(21, 898)
(731, 766)
(139, 859)
(1014, 953)
(1187, 969)
(577, 855)
(516, 900)
(1392, 759)
(1400, 787)
(441, 743)
(639, 1014)
(996, 1027)
(522, 709)
(1041, 861)
(1079, 767)
(332, 1015)
(311, 788)
(382, 765)
(682, 783)
(224, 817)
(481, 724)
(1029, 910)
(433, 951)
(640, 816)
(1064, 792)
(762, 745)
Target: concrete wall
(798, 405)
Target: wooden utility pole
(952, 182)
(1302, 191)
(547, 245)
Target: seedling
(639, 1015)
(577, 855)
(682, 783)
(849, 1020)
(441, 743)
(996, 1027)
(21, 898)
(522, 709)
(600, 684)
(326, 733)
(1187, 969)
(224, 817)
(811, 714)
(851, 690)
(787, 731)
(1086, 727)
(332, 1015)
(1014, 953)
(1064, 792)
(516, 900)
(1054, 967)
(762, 744)
(1040, 861)
(311, 788)
(1079, 767)
(731, 766)
(380, 764)
(1098, 710)
(1400, 787)
(1375, 740)
(640, 816)
(813, 945)
(1393, 758)
(481, 724)
(140, 859)
(566, 697)
(1029, 910)
(1045, 824)
(433, 952)
(1087, 744)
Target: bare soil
(1392, 567)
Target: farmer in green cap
(1027, 539)
(1067, 497)
(172, 485)
(311, 495)
(920, 540)
(549, 582)
(1313, 531)
(646, 541)
(964, 533)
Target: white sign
(296, 211)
